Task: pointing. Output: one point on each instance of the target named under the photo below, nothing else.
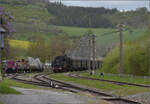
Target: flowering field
(19, 44)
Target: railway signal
(2, 33)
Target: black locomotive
(65, 64)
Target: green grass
(1, 102)
(5, 89)
(102, 40)
(117, 78)
(6, 84)
(103, 86)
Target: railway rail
(76, 75)
(44, 80)
(40, 77)
(39, 82)
(104, 96)
(14, 77)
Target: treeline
(96, 17)
(80, 16)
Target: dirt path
(32, 96)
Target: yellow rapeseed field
(19, 44)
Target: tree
(59, 45)
(39, 48)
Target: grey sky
(119, 4)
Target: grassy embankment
(103, 86)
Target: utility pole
(121, 28)
(149, 61)
(93, 54)
(89, 60)
(121, 47)
(149, 54)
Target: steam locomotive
(65, 64)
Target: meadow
(104, 39)
(26, 32)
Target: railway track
(44, 80)
(14, 77)
(104, 96)
(75, 75)
(53, 84)
(39, 82)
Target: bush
(135, 59)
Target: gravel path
(143, 98)
(32, 96)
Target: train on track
(24, 65)
(65, 64)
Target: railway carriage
(65, 63)
(24, 65)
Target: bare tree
(59, 45)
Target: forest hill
(61, 15)
(96, 17)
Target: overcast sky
(119, 4)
